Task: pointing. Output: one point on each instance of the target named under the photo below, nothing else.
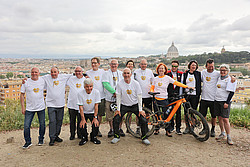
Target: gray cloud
(242, 24)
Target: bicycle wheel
(197, 123)
(131, 123)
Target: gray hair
(225, 66)
(55, 67)
(113, 60)
(88, 81)
(144, 60)
(127, 69)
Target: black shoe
(58, 139)
(99, 134)
(178, 132)
(168, 134)
(95, 140)
(71, 137)
(27, 145)
(52, 142)
(83, 141)
(122, 134)
(127, 131)
(111, 133)
(212, 133)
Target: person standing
(173, 89)
(55, 102)
(75, 84)
(88, 100)
(33, 88)
(96, 75)
(109, 80)
(224, 92)
(192, 78)
(129, 99)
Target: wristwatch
(95, 117)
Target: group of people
(92, 96)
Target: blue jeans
(55, 121)
(29, 115)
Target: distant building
(236, 74)
(10, 90)
(241, 95)
(172, 52)
(223, 50)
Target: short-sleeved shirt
(56, 90)
(190, 82)
(129, 92)
(112, 78)
(145, 79)
(223, 88)
(209, 84)
(96, 76)
(75, 85)
(34, 94)
(161, 85)
(88, 101)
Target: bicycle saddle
(153, 93)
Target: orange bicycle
(195, 120)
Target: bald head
(78, 72)
(35, 73)
(143, 64)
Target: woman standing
(130, 64)
(160, 84)
(192, 78)
(224, 92)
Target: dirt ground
(180, 150)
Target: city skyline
(109, 28)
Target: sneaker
(138, 130)
(95, 140)
(178, 132)
(172, 130)
(229, 141)
(221, 137)
(212, 133)
(186, 131)
(58, 139)
(99, 134)
(146, 141)
(71, 137)
(122, 134)
(168, 134)
(203, 132)
(115, 140)
(52, 142)
(111, 133)
(27, 145)
(40, 143)
(83, 141)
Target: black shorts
(220, 110)
(204, 105)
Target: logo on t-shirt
(115, 78)
(175, 78)
(218, 86)
(78, 85)
(56, 83)
(36, 90)
(208, 79)
(89, 101)
(143, 77)
(129, 91)
(97, 78)
(159, 84)
(191, 79)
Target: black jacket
(197, 76)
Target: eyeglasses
(113, 64)
(77, 71)
(223, 70)
(94, 62)
(175, 66)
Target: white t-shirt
(209, 84)
(223, 88)
(161, 85)
(96, 76)
(113, 78)
(34, 94)
(190, 81)
(145, 79)
(56, 90)
(75, 85)
(174, 74)
(129, 92)
(88, 101)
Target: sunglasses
(175, 66)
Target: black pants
(73, 115)
(163, 103)
(177, 118)
(83, 131)
(194, 101)
(147, 102)
(134, 109)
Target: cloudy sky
(122, 27)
